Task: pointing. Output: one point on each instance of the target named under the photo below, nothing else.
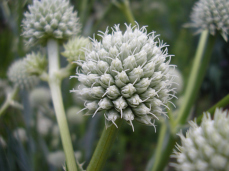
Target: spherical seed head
(74, 48)
(48, 19)
(18, 75)
(205, 147)
(35, 63)
(126, 75)
(212, 15)
(40, 96)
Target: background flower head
(49, 19)
(205, 147)
(212, 15)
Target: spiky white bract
(205, 147)
(74, 48)
(212, 15)
(126, 75)
(49, 19)
(18, 75)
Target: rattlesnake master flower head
(212, 15)
(35, 63)
(18, 76)
(205, 147)
(49, 19)
(126, 76)
(74, 48)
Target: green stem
(9, 100)
(83, 12)
(164, 148)
(103, 147)
(197, 73)
(54, 83)
(97, 24)
(125, 8)
(222, 103)
(192, 89)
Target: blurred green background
(132, 150)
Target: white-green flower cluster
(18, 75)
(212, 15)
(74, 48)
(126, 75)
(48, 19)
(35, 63)
(205, 147)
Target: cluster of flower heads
(126, 75)
(212, 15)
(18, 74)
(205, 147)
(49, 19)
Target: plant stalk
(103, 147)
(197, 73)
(9, 100)
(163, 150)
(54, 83)
(192, 89)
(125, 8)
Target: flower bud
(35, 63)
(74, 48)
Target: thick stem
(83, 11)
(192, 89)
(54, 83)
(197, 73)
(165, 146)
(125, 7)
(103, 147)
(9, 100)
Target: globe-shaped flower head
(126, 75)
(212, 15)
(205, 147)
(49, 19)
(18, 75)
